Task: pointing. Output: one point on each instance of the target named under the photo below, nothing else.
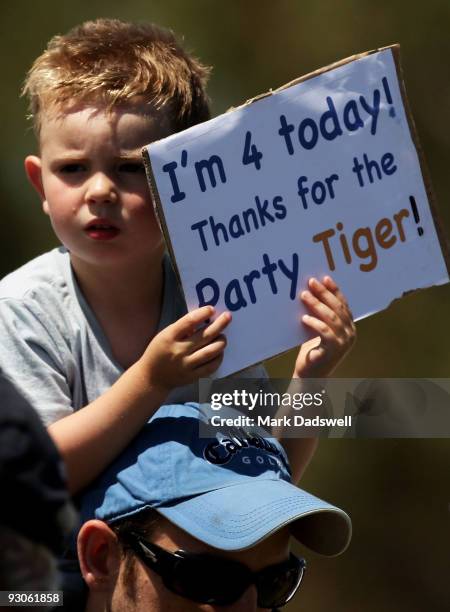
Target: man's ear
(99, 554)
(33, 168)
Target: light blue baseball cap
(229, 491)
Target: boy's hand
(182, 353)
(332, 320)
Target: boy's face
(93, 186)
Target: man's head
(35, 514)
(121, 573)
(227, 502)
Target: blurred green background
(396, 491)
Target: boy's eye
(132, 167)
(72, 168)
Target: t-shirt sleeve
(34, 357)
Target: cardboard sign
(322, 176)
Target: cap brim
(240, 516)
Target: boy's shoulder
(44, 274)
(39, 299)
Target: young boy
(100, 323)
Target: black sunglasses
(215, 580)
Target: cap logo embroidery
(222, 451)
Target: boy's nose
(101, 189)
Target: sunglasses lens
(219, 581)
(279, 583)
(214, 581)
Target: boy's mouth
(101, 230)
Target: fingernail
(316, 283)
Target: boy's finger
(316, 354)
(207, 334)
(209, 368)
(332, 316)
(207, 353)
(188, 325)
(332, 300)
(332, 286)
(320, 327)
(331, 283)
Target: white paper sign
(321, 177)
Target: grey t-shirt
(51, 344)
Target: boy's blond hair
(110, 62)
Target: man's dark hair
(144, 523)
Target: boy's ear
(33, 168)
(99, 554)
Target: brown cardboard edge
(159, 212)
(438, 224)
(314, 73)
